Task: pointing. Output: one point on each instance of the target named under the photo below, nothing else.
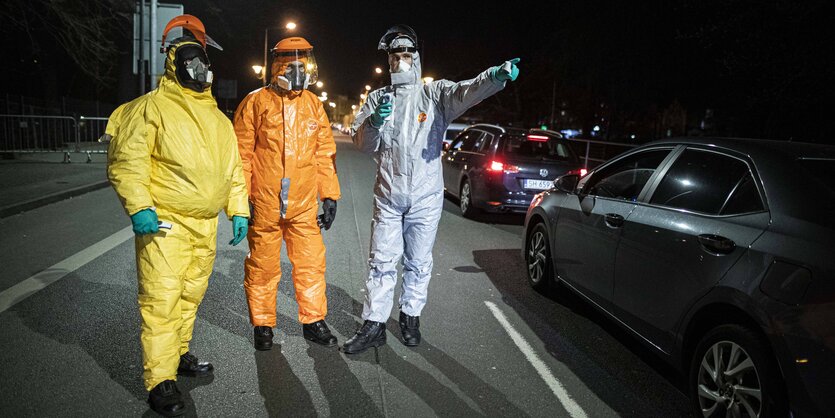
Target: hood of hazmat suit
(289, 162)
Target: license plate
(538, 184)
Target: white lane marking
(32, 285)
(565, 399)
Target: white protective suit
(408, 194)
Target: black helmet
(398, 31)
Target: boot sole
(411, 344)
(169, 414)
(263, 347)
(319, 342)
(194, 374)
(376, 343)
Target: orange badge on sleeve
(422, 117)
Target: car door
(458, 157)
(693, 226)
(589, 224)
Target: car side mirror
(446, 146)
(567, 183)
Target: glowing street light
(290, 25)
(363, 96)
(319, 84)
(324, 94)
(353, 107)
(258, 69)
(331, 104)
(367, 87)
(378, 70)
(427, 80)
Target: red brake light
(538, 138)
(499, 167)
(580, 171)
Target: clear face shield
(294, 70)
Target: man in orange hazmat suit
(288, 156)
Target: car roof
(756, 148)
(513, 131)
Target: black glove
(251, 214)
(328, 214)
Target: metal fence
(64, 134)
(594, 152)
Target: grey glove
(328, 214)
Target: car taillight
(538, 138)
(580, 172)
(499, 166)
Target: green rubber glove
(239, 227)
(145, 222)
(505, 73)
(380, 114)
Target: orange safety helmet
(292, 49)
(193, 25)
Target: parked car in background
(498, 169)
(717, 254)
(452, 131)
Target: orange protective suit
(284, 134)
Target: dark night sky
(764, 68)
(461, 38)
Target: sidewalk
(34, 180)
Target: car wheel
(466, 200)
(538, 258)
(732, 373)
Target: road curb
(16, 208)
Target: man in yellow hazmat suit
(174, 162)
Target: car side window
(626, 178)
(486, 143)
(708, 182)
(469, 141)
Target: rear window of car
(545, 149)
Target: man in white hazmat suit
(402, 126)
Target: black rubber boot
(166, 400)
(319, 333)
(410, 328)
(371, 334)
(191, 366)
(263, 338)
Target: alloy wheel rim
(536, 257)
(465, 197)
(728, 381)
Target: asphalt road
(492, 346)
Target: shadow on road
(588, 342)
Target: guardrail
(40, 134)
(596, 152)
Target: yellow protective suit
(285, 135)
(174, 150)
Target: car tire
(465, 200)
(754, 367)
(538, 258)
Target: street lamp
(319, 84)
(427, 80)
(258, 69)
(290, 26)
(367, 87)
(331, 104)
(378, 70)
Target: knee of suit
(423, 266)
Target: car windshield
(541, 148)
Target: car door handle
(716, 244)
(614, 220)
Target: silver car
(718, 254)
